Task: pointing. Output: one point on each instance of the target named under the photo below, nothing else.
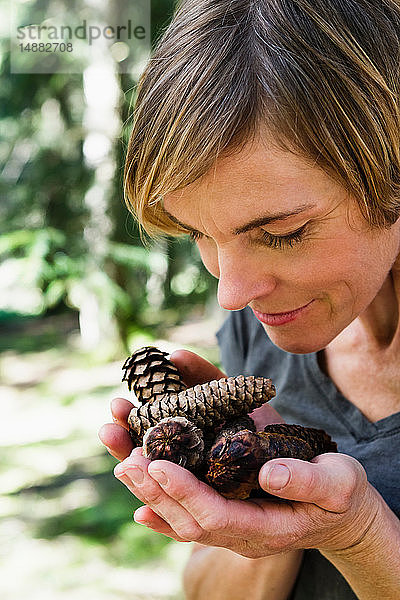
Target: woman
(269, 132)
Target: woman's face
(282, 236)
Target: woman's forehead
(257, 177)
(257, 162)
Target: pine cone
(235, 460)
(175, 439)
(180, 424)
(150, 375)
(233, 425)
(318, 440)
(207, 405)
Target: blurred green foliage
(71, 252)
(67, 239)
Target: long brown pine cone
(150, 375)
(235, 460)
(207, 406)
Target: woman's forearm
(217, 574)
(372, 566)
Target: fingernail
(140, 521)
(119, 470)
(135, 474)
(278, 477)
(137, 519)
(145, 523)
(137, 451)
(159, 476)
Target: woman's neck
(378, 328)
(367, 351)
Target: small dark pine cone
(235, 460)
(226, 431)
(207, 406)
(233, 425)
(150, 375)
(319, 441)
(175, 439)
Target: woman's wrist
(357, 532)
(372, 563)
(365, 532)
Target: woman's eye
(283, 241)
(195, 236)
(269, 239)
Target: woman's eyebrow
(258, 222)
(280, 216)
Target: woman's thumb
(329, 481)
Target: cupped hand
(331, 505)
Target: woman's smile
(281, 318)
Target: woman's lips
(280, 318)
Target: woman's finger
(194, 369)
(199, 499)
(144, 515)
(265, 415)
(116, 439)
(196, 512)
(133, 472)
(170, 511)
(229, 523)
(217, 516)
(120, 409)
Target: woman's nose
(242, 279)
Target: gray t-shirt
(305, 395)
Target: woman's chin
(297, 344)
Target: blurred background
(78, 293)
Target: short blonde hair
(322, 75)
